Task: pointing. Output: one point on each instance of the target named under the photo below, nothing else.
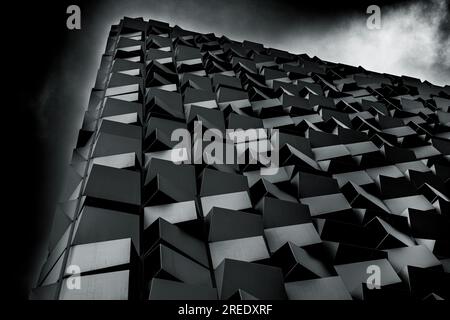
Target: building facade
(360, 198)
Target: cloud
(412, 41)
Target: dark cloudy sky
(61, 66)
